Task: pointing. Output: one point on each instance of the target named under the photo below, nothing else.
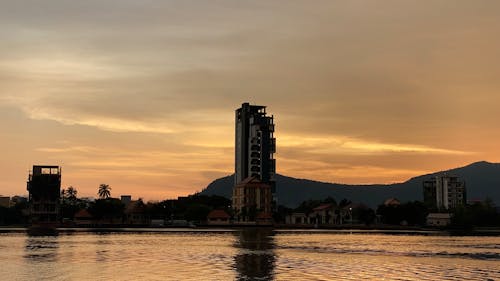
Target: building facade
(44, 187)
(444, 192)
(255, 146)
(251, 199)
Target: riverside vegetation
(195, 208)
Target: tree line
(196, 208)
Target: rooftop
(218, 214)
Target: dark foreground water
(246, 255)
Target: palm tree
(104, 191)
(71, 193)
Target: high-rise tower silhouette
(255, 165)
(255, 144)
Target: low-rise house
(438, 219)
(126, 199)
(323, 214)
(135, 213)
(345, 214)
(218, 217)
(297, 218)
(392, 202)
(83, 218)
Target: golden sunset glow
(141, 96)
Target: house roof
(136, 206)
(218, 214)
(252, 181)
(83, 214)
(323, 207)
(392, 201)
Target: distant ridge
(482, 181)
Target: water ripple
(247, 255)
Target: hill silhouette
(482, 181)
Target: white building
(444, 192)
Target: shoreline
(486, 231)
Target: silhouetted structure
(251, 198)
(218, 217)
(83, 218)
(126, 199)
(4, 201)
(255, 144)
(44, 187)
(135, 213)
(254, 149)
(444, 192)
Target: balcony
(272, 145)
(255, 147)
(272, 165)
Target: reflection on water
(41, 248)
(255, 258)
(250, 254)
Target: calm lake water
(168, 254)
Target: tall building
(444, 192)
(44, 187)
(255, 146)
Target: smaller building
(44, 187)
(135, 213)
(218, 217)
(392, 202)
(323, 214)
(83, 218)
(4, 201)
(126, 199)
(297, 218)
(251, 197)
(438, 219)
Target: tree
(480, 214)
(414, 213)
(104, 191)
(110, 209)
(71, 193)
(70, 203)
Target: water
(246, 255)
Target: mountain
(482, 181)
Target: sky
(141, 95)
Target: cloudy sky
(141, 94)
